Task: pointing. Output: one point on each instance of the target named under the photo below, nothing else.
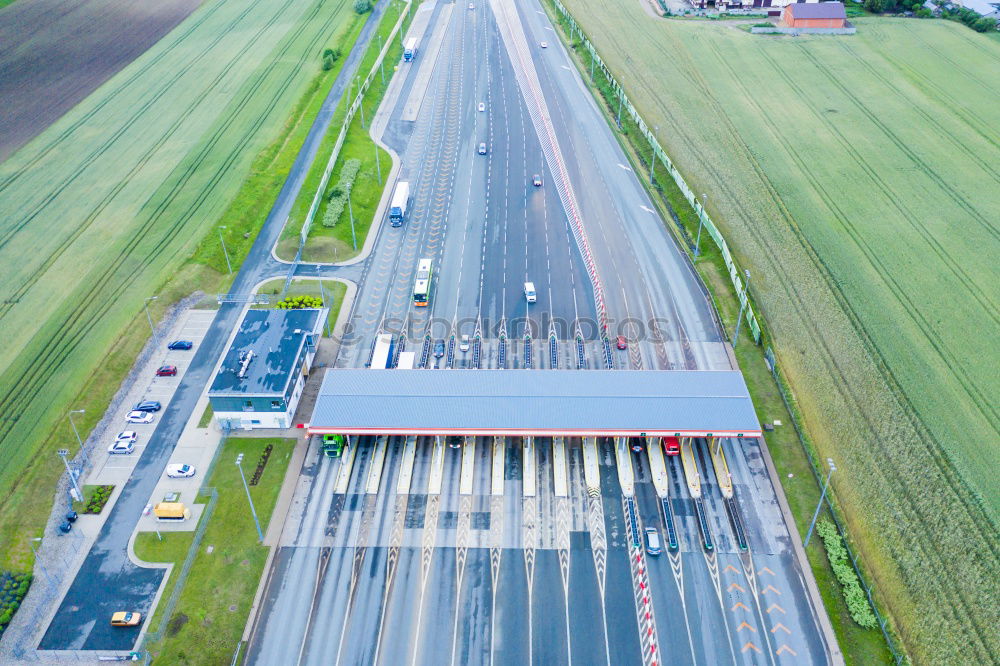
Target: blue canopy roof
(535, 402)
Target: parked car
(536, 180)
(545, 45)
(122, 447)
(148, 406)
(671, 446)
(637, 444)
(471, 6)
(181, 344)
(166, 371)
(482, 148)
(482, 107)
(463, 345)
(179, 471)
(127, 436)
(653, 546)
(439, 349)
(621, 342)
(139, 416)
(126, 619)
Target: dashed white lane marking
(622, 166)
(566, 67)
(647, 209)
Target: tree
(362, 6)
(984, 24)
(876, 6)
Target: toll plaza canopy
(601, 403)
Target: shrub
(854, 596)
(339, 192)
(984, 24)
(362, 6)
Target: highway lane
(638, 261)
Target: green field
(859, 179)
(109, 205)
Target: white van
(529, 291)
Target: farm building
(812, 16)
(264, 370)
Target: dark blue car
(439, 349)
(180, 344)
(147, 406)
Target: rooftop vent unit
(245, 358)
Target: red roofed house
(814, 15)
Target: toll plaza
(698, 409)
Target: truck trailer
(410, 50)
(400, 199)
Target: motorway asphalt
(108, 581)
(436, 576)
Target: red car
(621, 342)
(671, 445)
(166, 371)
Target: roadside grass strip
(211, 612)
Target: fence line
(342, 135)
(659, 154)
(735, 277)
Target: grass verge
(791, 459)
(211, 611)
(344, 240)
(206, 416)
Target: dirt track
(54, 53)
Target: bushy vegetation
(339, 193)
(857, 601)
(13, 588)
(98, 497)
(362, 6)
(299, 302)
(885, 362)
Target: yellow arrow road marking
(736, 585)
(765, 569)
(772, 588)
(775, 606)
(785, 648)
(782, 627)
(730, 567)
(739, 604)
(748, 645)
(744, 625)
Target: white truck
(407, 360)
(529, 292)
(410, 50)
(382, 352)
(397, 207)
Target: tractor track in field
(873, 256)
(85, 224)
(82, 318)
(956, 67)
(84, 120)
(969, 117)
(150, 104)
(959, 200)
(964, 496)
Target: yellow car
(123, 619)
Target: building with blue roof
(264, 371)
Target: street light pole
(225, 252)
(86, 458)
(701, 223)
(743, 304)
(322, 295)
(350, 210)
(239, 464)
(145, 305)
(833, 468)
(378, 164)
(41, 566)
(72, 479)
